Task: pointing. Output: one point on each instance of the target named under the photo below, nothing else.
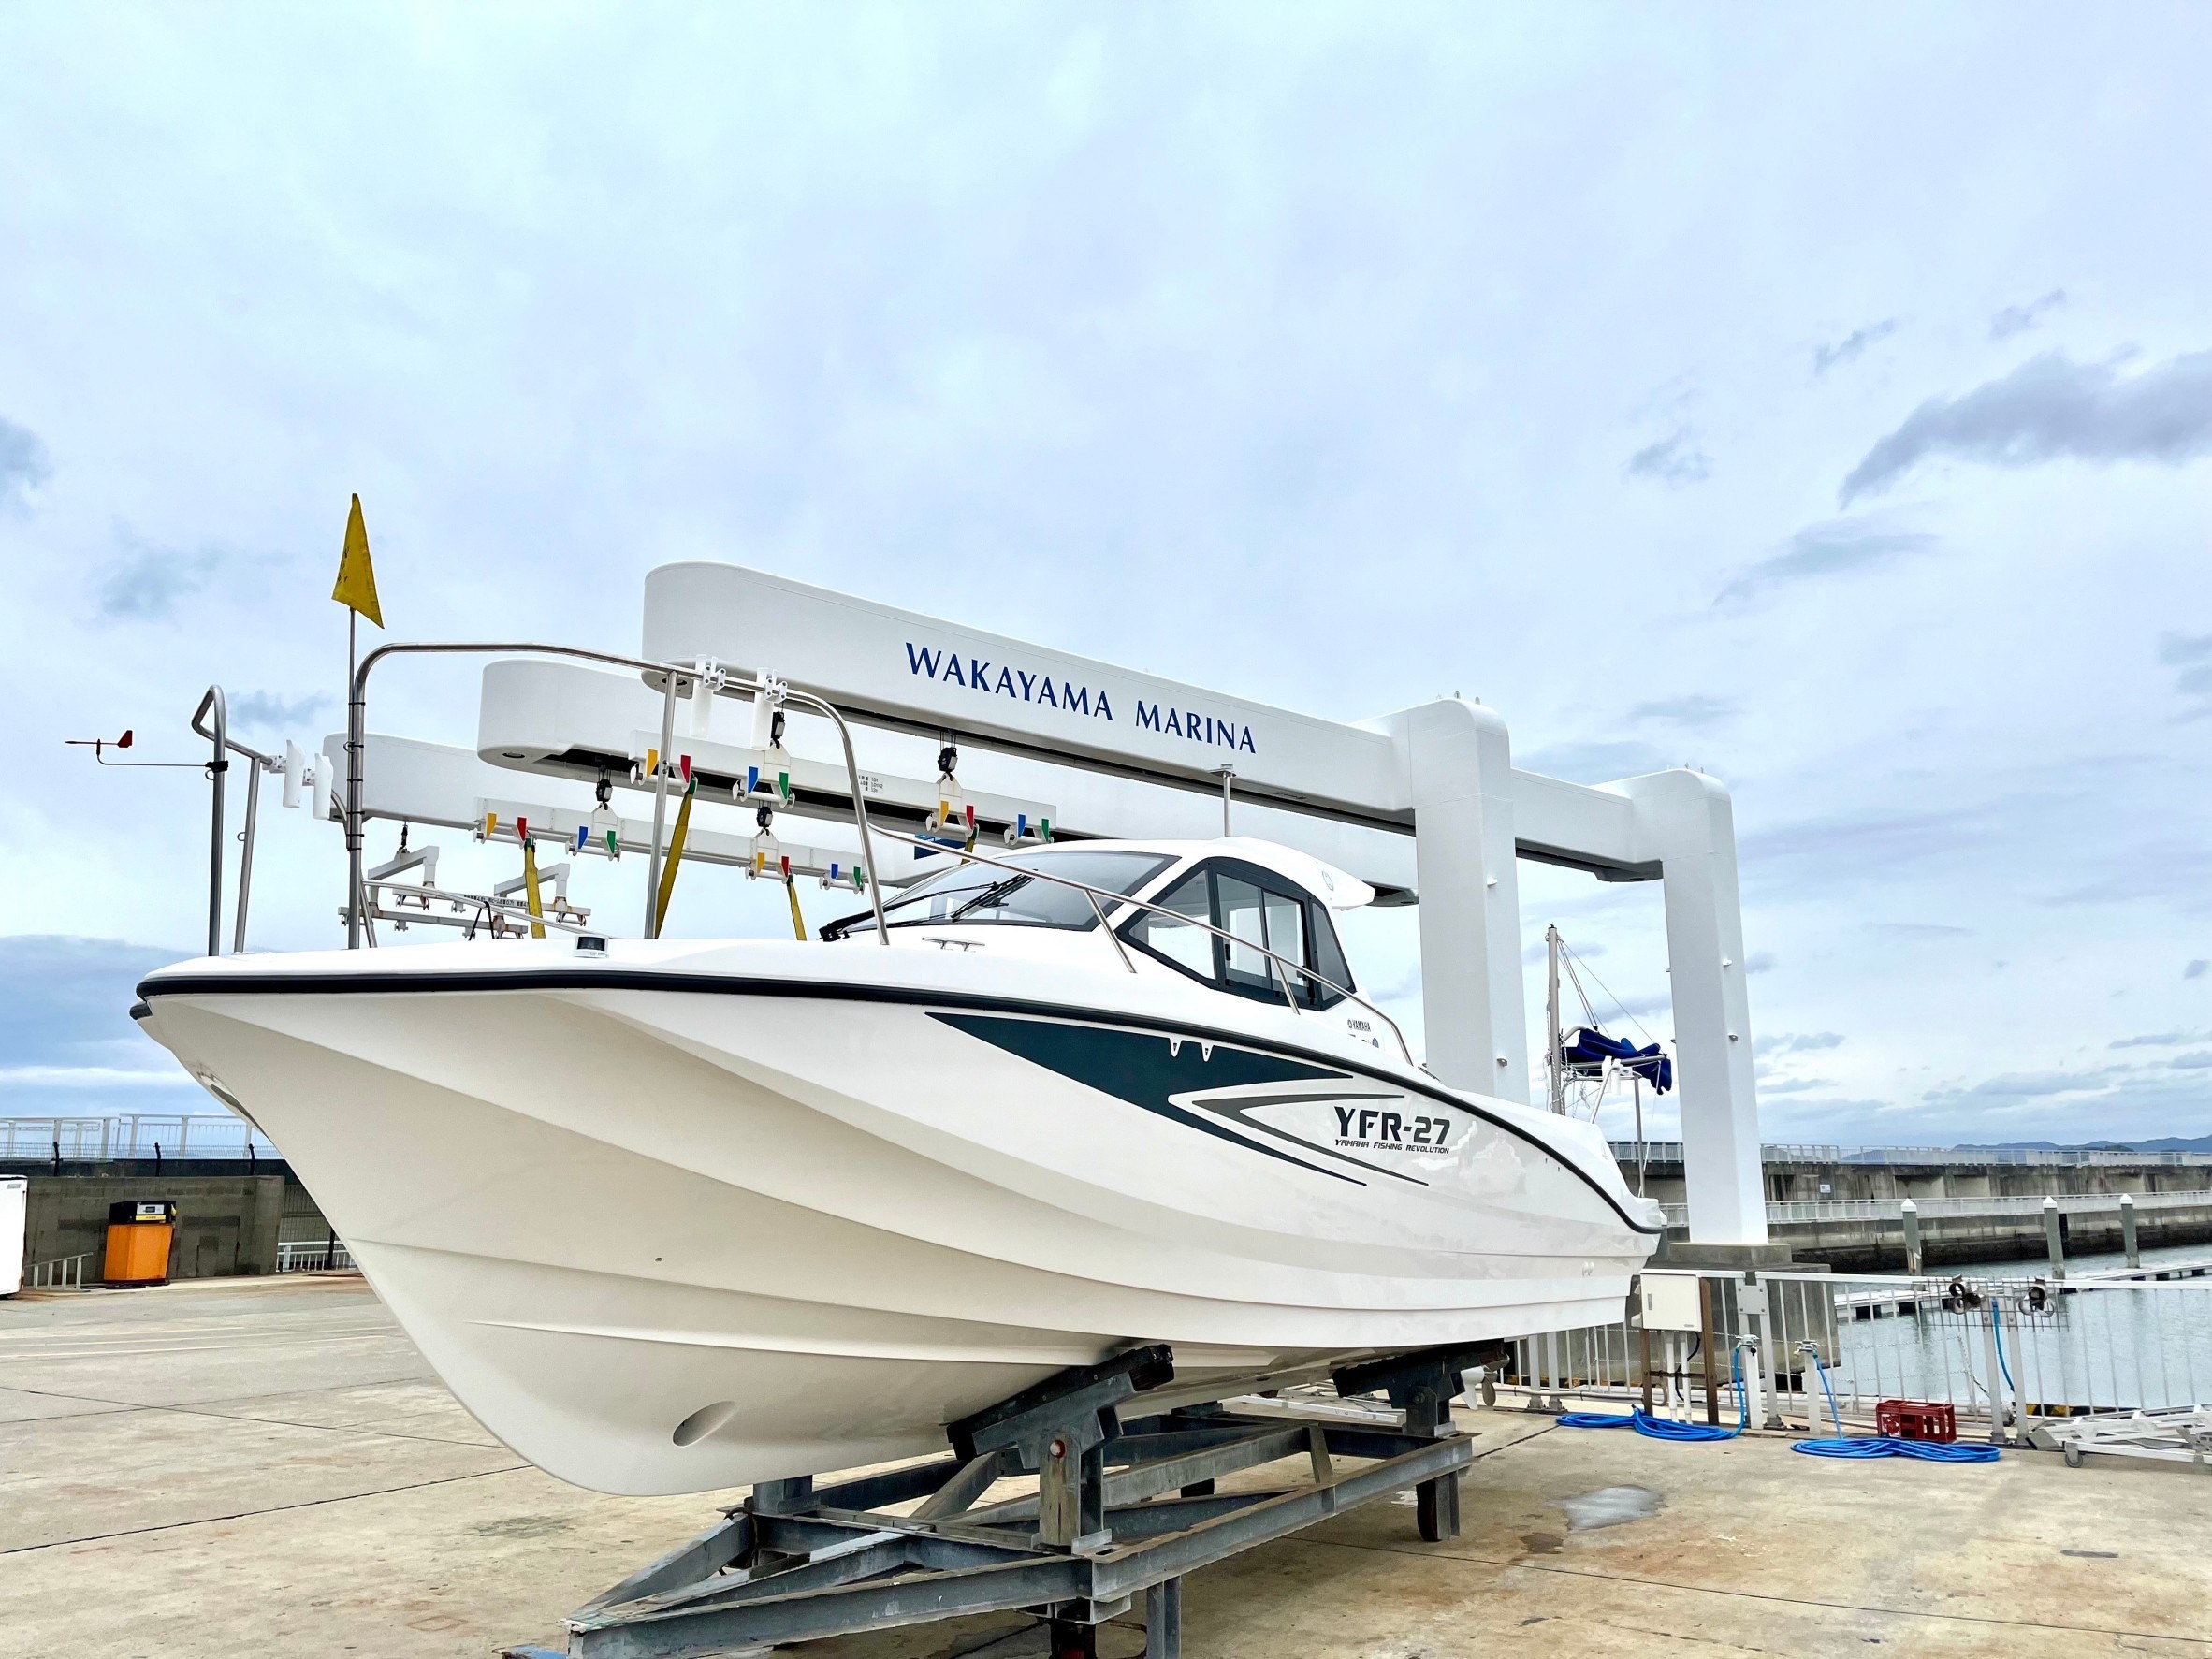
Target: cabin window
(979, 893)
(1328, 960)
(1181, 937)
(1260, 912)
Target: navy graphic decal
(1147, 1070)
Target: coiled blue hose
(1665, 1428)
(1882, 1446)
(1843, 1447)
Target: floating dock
(267, 1466)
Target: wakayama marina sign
(1038, 688)
(928, 675)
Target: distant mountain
(2164, 1143)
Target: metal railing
(214, 703)
(63, 1272)
(2000, 1352)
(165, 1136)
(314, 1255)
(1670, 1152)
(2028, 1155)
(2079, 1203)
(707, 679)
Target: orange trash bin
(138, 1239)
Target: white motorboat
(670, 1216)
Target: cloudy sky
(1823, 399)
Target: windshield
(982, 892)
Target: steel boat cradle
(1125, 1505)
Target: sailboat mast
(1551, 1020)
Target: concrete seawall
(2008, 1231)
(1877, 1245)
(227, 1225)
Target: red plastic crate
(1915, 1420)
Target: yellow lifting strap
(675, 854)
(798, 917)
(529, 886)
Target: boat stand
(1121, 1507)
(2178, 1434)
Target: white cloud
(1299, 353)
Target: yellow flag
(356, 576)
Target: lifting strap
(529, 879)
(798, 917)
(676, 846)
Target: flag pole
(355, 590)
(353, 899)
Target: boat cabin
(1228, 914)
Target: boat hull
(675, 1234)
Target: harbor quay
(348, 1505)
(1844, 1207)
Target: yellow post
(798, 917)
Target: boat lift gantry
(1437, 780)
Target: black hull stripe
(639, 979)
(1236, 1110)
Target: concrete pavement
(267, 1466)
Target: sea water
(2147, 1345)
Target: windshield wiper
(990, 895)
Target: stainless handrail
(218, 763)
(1107, 928)
(356, 739)
(1099, 895)
(257, 764)
(357, 721)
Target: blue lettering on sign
(1000, 680)
(1193, 727)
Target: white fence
(2003, 1351)
(1670, 1152)
(2087, 1203)
(174, 1135)
(311, 1256)
(64, 1272)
